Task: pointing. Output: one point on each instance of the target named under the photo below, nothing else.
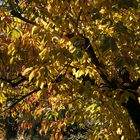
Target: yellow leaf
(39, 93)
(45, 129)
(42, 85)
(74, 71)
(38, 112)
(43, 54)
(43, 22)
(70, 106)
(10, 48)
(27, 70)
(119, 131)
(91, 108)
(35, 30)
(79, 73)
(37, 83)
(32, 74)
(16, 34)
(11, 60)
(2, 85)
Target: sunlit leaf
(27, 70)
(32, 74)
(42, 85)
(61, 66)
(35, 30)
(16, 33)
(79, 73)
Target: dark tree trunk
(133, 108)
(132, 105)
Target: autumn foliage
(71, 64)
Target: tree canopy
(71, 62)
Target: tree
(71, 61)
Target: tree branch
(56, 80)
(23, 97)
(18, 15)
(14, 84)
(90, 51)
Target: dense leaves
(70, 69)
